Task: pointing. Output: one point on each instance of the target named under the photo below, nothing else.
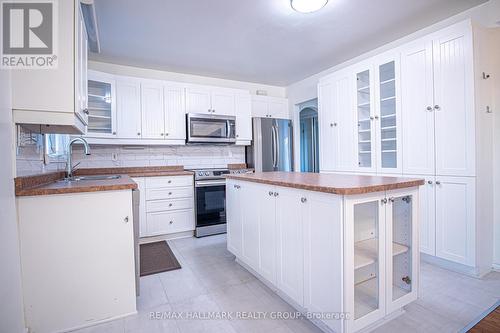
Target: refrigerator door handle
(273, 144)
(277, 146)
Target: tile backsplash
(30, 158)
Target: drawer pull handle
(169, 193)
(169, 181)
(170, 205)
(171, 222)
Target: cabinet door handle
(138, 133)
(169, 181)
(209, 110)
(371, 117)
(303, 200)
(383, 201)
(429, 108)
(331, 124)
(125, 219)
(376, 117)
(437, 107)
(86, 111)
(276, 194)
(114, 133)
(391, 199)
(429, 182)
(438, 182)
(169, 205)
(171, 222)
(270, 193)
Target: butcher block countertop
(343, 184)
(52, 182)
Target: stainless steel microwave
(205, 128)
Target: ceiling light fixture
(307, 6)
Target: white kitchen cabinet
(322, 238)
(166, 206)
(102, 120)
(152, 111)
(57, 97)
(210, 100)
(417, 111)
(270, 107)
(96, 269)
(234, 214)
(454, 103)
(128, 105)
(381, 255)
(141, 186)
(455, 219)
(355, 254)
(289, 216)
(243, 119)
(175, 117)
(337, 127)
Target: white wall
(185, 78)
(11, 305)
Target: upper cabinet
(218, 101)
(438, 105)
(54, 100)
(101, 105)
(129, 110)
(270, 107)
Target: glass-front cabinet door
(365, 260)
(365, 120)
(401, 250)
(387, 116)
(101, 105)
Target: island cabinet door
(250, 217)
(402, 252)
(290, 266)
(364, 260)
(234, 219)
(322, 230)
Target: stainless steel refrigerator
(272, 145)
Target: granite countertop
(50, 183)
(343, 184)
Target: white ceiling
(262, 41)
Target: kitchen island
(342, 249)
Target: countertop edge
(38, 191)
(333, 190)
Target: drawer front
(169, 222)
(169, 204)
(170, 181)
(169, 193)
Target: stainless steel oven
(205, 128)
(210, 201)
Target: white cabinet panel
(260, 107)
(198, 100)
(233, 211)
(250, 216)
(128, 104)
(455, 219)
(344, 124)
(175, 117)
(326, 104)
(167, 222)
(323, 235)
(141, 185)
(153, 121)
(278, 107)
(290, 243)
(223, 102)
(243, 118)
(418, 112)
(454, 110)
(267, 233)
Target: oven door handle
(207, 183)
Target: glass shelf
(388, 141)
(100, 107)
(364, 119)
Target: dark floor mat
(157, 257)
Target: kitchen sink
(96, 177)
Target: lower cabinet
(447, 218)
(326, 253)
(166, 205)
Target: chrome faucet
(69, 167)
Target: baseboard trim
(455, 267)
(152, 239)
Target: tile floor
(211, 281)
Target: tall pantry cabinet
(421, 110)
